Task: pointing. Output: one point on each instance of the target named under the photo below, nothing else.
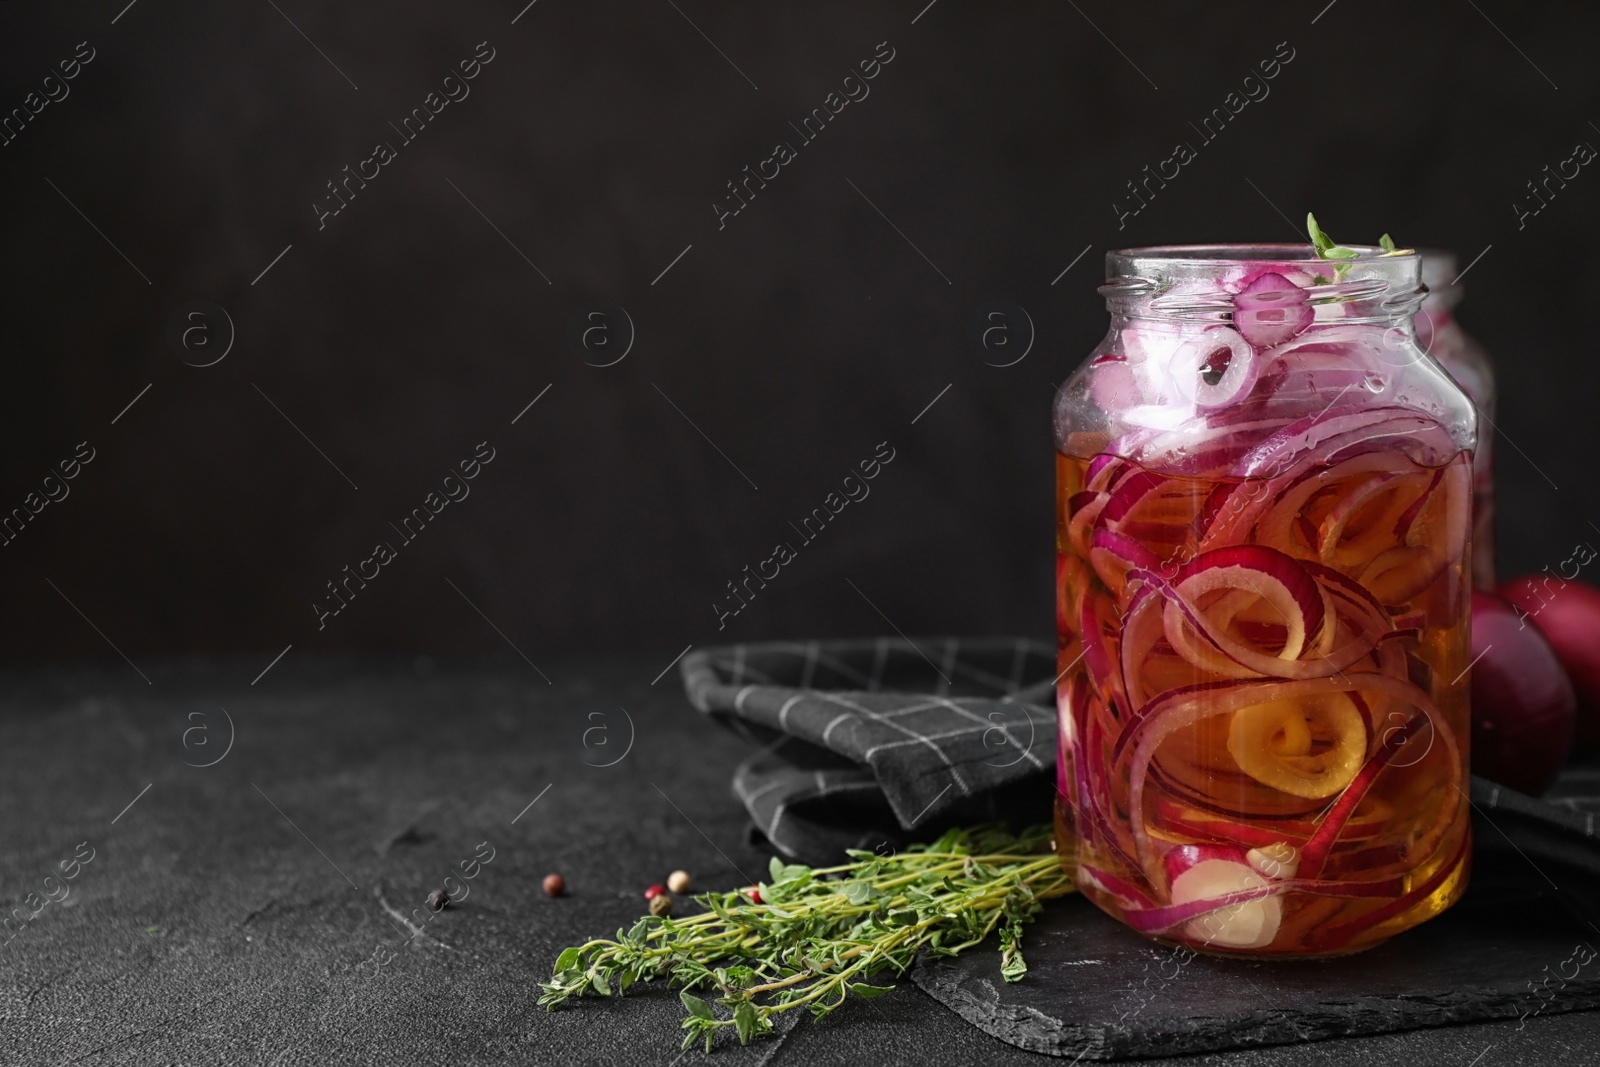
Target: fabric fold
(865, 740)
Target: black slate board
(1097, 991)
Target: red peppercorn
(654, 891)
(554, 885)
(755, 894)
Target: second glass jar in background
(1442, 337)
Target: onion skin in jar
(1569, 618)
(1523, 706)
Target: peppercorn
(654, 891)
(678, 881)
(438, 899)
(554, 885)
(755, 894)
(661, 905)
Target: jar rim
(1199, 283)
(1226, 255)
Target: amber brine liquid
(1263, 704)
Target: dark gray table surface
(227, 914)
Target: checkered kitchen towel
(864, 740)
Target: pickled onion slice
(1271, 310)
(1304, 279)
(1435, 537)
(1096, 655)
(1129, 492)
(1085, 711)
(1319, 348)
(1083, 512)
(1280, 632)
(1071, 583)
(1291, 380)
(1113, 385)
(1249, 923)
(1214, 370)
(1269, 574)
(1351, 599)
(1364, 520)
(1277, 860)
(1432, 536)
(1275, 519)
(1374, 517)
(1113, 555)
(1302, 441)
(1342, 934)
(1161, 919)
(1175, 817)
(1306, 748)
(1065, 743)
(1200, 446)
(1324, 438)
(1400, 573)
(1210, 803)
(1138, 640)
(1119, 887)
(1150, 350)
(1182, 858)
(1175, 710)
(1157, 511)
(1342, 810)
(1103, 470)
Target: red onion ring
(1317, 847)
(1161, 918)
(1273, 520)
(1271, 310)
(1342, 934)
(1197, 378)
(1326, 435)
(1181, 708)
(1110, 883)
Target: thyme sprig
(1325, 245)
(819, 935)
(1327, 249)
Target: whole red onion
(1523, 708)
(1567, 613)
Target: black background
(797, 338)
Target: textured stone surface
(1097, 991)
(208, 930)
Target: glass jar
(1468, 362)
(1263, 529)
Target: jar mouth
(1303, 256)
(1200, 282)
